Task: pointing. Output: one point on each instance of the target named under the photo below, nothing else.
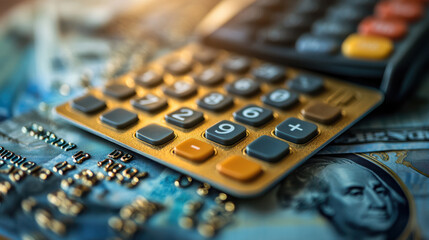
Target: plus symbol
(295, 127)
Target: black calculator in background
(378, 43)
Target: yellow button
(194, 150)
(239, 168)
(367, 47)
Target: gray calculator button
(119, 91)
(149, 103)
(226, 133)
(119, 118)
(268, 149)
(237, 64)
(149, 79)
(206, 55)
(269, 73)
(253, 115)
(332, 28)
(317, 44)
(178, 67)
(280, 36)
(210, 77)
(88, 104)
(180, 89)
(155, 134)
(280, 98)
(215, 101)
(185, 117)
(308, 84)
(245, 87)
(296, 130)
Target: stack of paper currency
(371, 183)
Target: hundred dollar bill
(403, 128)
(57, 181)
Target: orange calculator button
(393, 29)
(239, 168)
(408, 11)
(367, 47)
(194, 150)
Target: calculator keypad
(119, 91)
(234, 133)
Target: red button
(393, 29)
(408, 11)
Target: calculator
(238, 123)
(379, 43)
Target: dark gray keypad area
(268, 149)
(88, 104)
(119, 118)
(226, 133)
(296, 130)
(155, 134)
(119, 91)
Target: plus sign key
(296, 130)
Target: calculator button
(393, 29)
(297, 22)
(268, 149)
(155, 134)
(210, 77)
(245, 87)
(317, 44)
(296, 130)
(88, 104)
(149, 79)
(118, 91)
(180, 89)
(347, 13)
(269, 73)
(185, 117)
(237, 64)
(321, 112)
(149, 103)
(226, 133)
(280, 98)
(178, 67)
(194, 150)
(367, 47)
(280, 36)
(119, 118)
(332, 28)
(239, 168)
(253, 115)
(306, 83)
(205, 55)
(215, 101)
(404, 10)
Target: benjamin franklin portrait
(360, 200)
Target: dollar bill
(330, 197)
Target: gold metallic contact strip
(364, 101)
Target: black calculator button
(253, 115)
(268, 149)
(185, 117)
(88, 104)
(149, 79)
(332, 29)
(296, 130)
(280, 98)
(347, 13)
(155, 134)
(269, 73)
(226, 133)
(119, 118)
(317, 44)
(215, 101)
(149, 103)
(237, 64)
(297, 22)
(118, 91)
(180, 89)
(178, 67)
(306, 83)
(210, 77)
(245, 87)
(310, 7)
(205, 55)
(280, 36)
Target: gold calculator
(238, 123)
